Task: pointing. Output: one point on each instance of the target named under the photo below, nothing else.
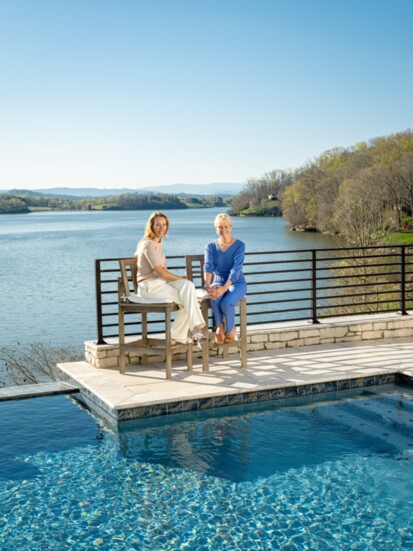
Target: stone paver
(269, 369)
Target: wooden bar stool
(130, 302)
(195, 273)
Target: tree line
(21, 202)
(360, 194)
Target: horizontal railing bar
(296, 290)
(274, 272)
(277, 282)
(307, 299)
(284, 261)
(376, 292)
(361, 313)
(359, 295)
(357, 275)
(329, 249)
(395, 248)
(364, 303)
(281, 320)
(359, 267)
(365, 284)
(104, 281)
(365, 248)
(275, 291)
(261, 312)
(355, 257)
(279, 271)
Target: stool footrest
(152, 350)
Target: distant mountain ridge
(187, 189)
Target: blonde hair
(149, 233)
(222, 217)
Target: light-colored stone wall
(284, 335)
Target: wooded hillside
(362, 193)
(25, 201)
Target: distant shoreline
(25, 203)
(33, 211)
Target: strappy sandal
(219, 339)
(198, 336)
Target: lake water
(47, 262)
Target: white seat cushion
(141, 300)
(201, 293)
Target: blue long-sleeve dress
(226, 265)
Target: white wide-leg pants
(182, 292)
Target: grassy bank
(400, 238)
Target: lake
(47, 262)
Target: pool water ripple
(95, 496)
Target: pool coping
(235, 399)
(144, 393)
(37, 390)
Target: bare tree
(364, 214)
(405, 166)
(389, 179)
(32, 363)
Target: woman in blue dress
(224, 279)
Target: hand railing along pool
(292, 285)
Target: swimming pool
(331, 471)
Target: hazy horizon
(209, 184)
(139, 94)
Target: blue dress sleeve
(237, 263)
(209, 265)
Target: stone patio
(271, 373)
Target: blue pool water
(328, 472)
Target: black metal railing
(293, 285)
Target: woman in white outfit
(155, 281)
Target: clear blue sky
(130, 93)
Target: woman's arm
(237, 262)
(153, 252)
(209, 267)
(161, 271)
(208, 278)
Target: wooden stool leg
(168, 345)
(205, 343)
(225, 346)
(189, 357)
(122, 366)
(145, 357)
(243, 333)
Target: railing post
(314, 286)
(99, 303)
(403, 310)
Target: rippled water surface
(47, 262)
(294, 474)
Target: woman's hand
(214, 291)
